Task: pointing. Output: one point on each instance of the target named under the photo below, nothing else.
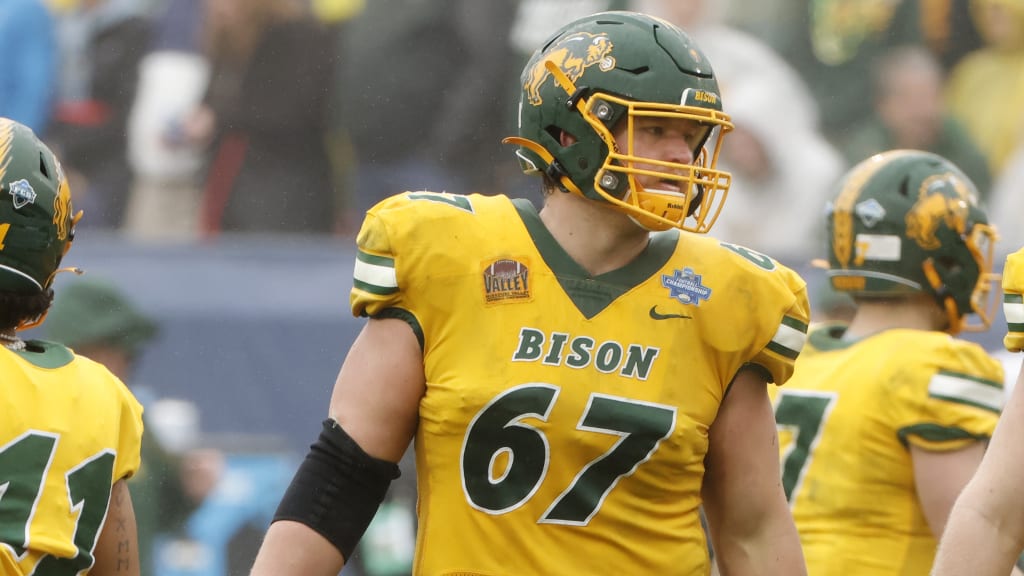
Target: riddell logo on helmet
(572, 55)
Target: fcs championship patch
(23, 194)
(506, 280)
(686, 286)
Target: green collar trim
(592, 294)
(45, 354)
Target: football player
(71, 431)
(885, 419)
(577, 386)
(985, 533)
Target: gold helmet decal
(6, 141)
(935, 205)
(62, 206)
(843, 208)
(844, 205)
(572, 55)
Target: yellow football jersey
(846, 420)
(1013, 301)
(70, 429)
(565, 421)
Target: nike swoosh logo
(657, 316)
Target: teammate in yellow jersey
(886, 418)
(985, 533)
(70, 431)
(577, 386)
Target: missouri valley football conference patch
(506, 280)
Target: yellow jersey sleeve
(779, 355)
(375, 278)
(1013, 301)
(951, 394)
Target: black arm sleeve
(337, 489)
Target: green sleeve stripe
(936, 433)
(788, 341)
(970, 391)
(373, 289)
(794, 323)
(376, 260)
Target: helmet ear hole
(904, 188)
(949, 264)
(43, 167)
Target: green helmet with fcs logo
(615, 67)
(37, 224)
(907, 221)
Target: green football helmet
(615, 67)
(907, 221)
(37, 224)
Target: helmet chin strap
(546, 157)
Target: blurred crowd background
(224, 152)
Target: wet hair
(16, 307)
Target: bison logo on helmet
(943, 198)
(572, 55)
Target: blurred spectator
(986, 89)
(97, 321)
(779, 171)
(833, 44)
(101, 43)
(332, 12)
(780, 163)
(1007, 201)
(336, 16)
(265, 112)
(28, 43)
(947, 29)
(173, 77)
(909, 112)
(426, 95)
(943, 26)
(740, 59)
(535, 20)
